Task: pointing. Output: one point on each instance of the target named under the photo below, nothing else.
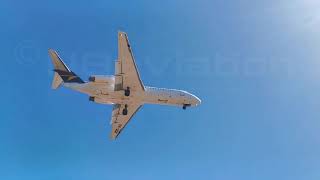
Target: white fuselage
(102, 91)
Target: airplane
(124, 90)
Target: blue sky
(254, 64)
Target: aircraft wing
(126, 72)
(119, 121)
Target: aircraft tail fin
(62, 73)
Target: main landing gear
(125, 110)
(127, 92)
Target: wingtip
(52, 51)
(122, 32)
(112, 138)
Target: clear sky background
(254, 64)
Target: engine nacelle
(102, 79)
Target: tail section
(62, 72)
(57, 81)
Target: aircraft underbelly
(162, 98)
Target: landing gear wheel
(127, 92)
(125, 110)
(184, 107)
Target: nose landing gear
(184, 107)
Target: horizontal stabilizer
(57, 81)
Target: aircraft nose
(197, 100)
